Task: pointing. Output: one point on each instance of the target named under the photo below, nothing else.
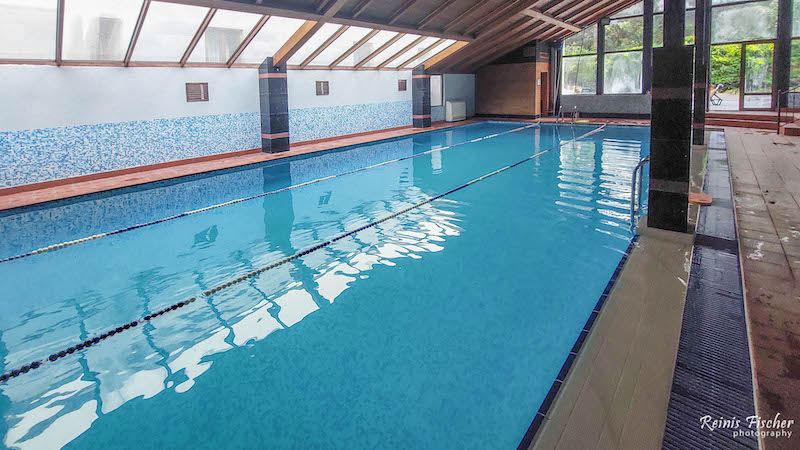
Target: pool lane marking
(53, 247)
(89, 342)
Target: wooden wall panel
(508, 89)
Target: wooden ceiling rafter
(137, 30)
(433, 14)
(400, 11)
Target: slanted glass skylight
(425, 56)
(28, 29)
(167, 31)
(99, 30)
(222, 37)
(391, 50)
(269, 40)
(365, 50)
(342, 44)
(422, 45)
(324, 32)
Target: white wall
(347, 87)
(48, 96)
(461, 87)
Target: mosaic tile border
(561, 378)
(64, 152)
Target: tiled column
(421, 98)
(702, 13)
(671, 126)
(783, 49)
(274, 96)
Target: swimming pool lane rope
(66, 244)
(90, 342)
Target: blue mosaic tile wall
(32, 156)
(317, 123)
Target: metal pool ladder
(636, 194)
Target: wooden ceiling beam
(324, 45)
(590, 16)
(400, 11)
(432, 15)
(304, 33)
(400, 53)
(379, 50)
(137, 30)
(536, 14)
(499, 15)
(353, 48)
(524, 30)
(197, 35)
(480, 4)
(249, 38)
(359, 8)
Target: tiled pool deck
(766, 185)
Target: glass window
(430, 53)
(794, 77)
(325, 31)
(796, 19)
(658, 29)
(269, 40)
(746, 22)
(167, 30)
(370, 46)
(624, 34)
(422, 45)
(579, 75)
(582, 43)
(623, 73)
(634, 10)
(389, 51)
(225, 32)
(342, 44)
(99, 30)
(436, 90)
(28, 29)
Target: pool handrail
(634, 197)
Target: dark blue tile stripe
(541, 415)
(712, 370)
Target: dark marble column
(702, 52)
(647, 46)
(274, 96)
(674, 23)
(421, 98)
(671, 125)
(601, 59)
(783, 50)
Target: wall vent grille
(196, 92)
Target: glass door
(757, 76)
(725, 77)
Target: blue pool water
(443, 327)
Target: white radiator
(455, 110)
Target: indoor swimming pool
(418, 292)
